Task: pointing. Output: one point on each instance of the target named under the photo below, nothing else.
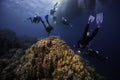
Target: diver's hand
(99, 19)
(91, 19)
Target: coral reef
(51, 59)
(9, 41)
(9, 63)
(12, 48)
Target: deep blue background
(107, 40)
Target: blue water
(107, 40)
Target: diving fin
(99, 18)
(91, 19)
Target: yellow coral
(52, 58)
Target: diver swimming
(53, 10)
(36, 19)
(52, 13)
(87, 37)
(65, 22)
(96, 54)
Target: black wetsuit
(96, 54)
(34, 19)
(65, 22)
(84, 40)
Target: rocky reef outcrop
(9, 41)
(51, 59)
(9, 63)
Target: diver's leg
(46, 17)
(90, 20)
(81, 41)
(94, 33)
(86, 30)
(43, 23)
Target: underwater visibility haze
(39, 32)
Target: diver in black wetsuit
(96, 54)
(87, 37)
(35, 19)
(48, 28)
(65, 22)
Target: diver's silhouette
(47, 27)
(35, 19)
(96, 54)
(87, 37)
(52, 13)
(65, 22)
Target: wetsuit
(34, 19)
(84, 40)
(96, 54)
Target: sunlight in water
(31, 7)
(54, 1)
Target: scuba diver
(36, 19)
(96, 54)
(48, 28)
(65, 22)
(52, 13)
(87, 37)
